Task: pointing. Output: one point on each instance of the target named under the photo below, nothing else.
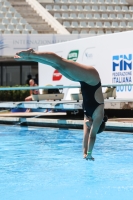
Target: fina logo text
(122, 68)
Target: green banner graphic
(73, 55)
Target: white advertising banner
(111, 55)
(11, 43)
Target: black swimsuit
(89, 102)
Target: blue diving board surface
(63, 105)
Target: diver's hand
(88, 157)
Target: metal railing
(56, 87)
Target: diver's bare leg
(74, 70)
(85, 138)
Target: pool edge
(64, 123)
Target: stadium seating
(76, 16)
(9, 18)
(96, 16)
(19, 17)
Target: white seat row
(18, 32)
(5, 3)
(17, 27)
(89, 8)
(93, 32)
(90, 16)
(126, 16)
(5, 6)
(91, 1)
(84, 24)
(10, 14)
(14, 21)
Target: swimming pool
(47, 164)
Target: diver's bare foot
(23, 55)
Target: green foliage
(14, 95)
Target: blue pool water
(47, 164)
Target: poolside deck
(61, 119)
(32, 114)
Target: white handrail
(37, 87)
(47, 16)
(56, 87)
